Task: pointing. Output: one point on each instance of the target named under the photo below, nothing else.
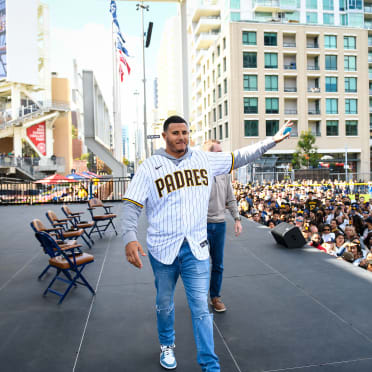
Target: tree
(306, 153)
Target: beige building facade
(255, 76)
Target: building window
(210, 134)
(224, 64)
(225, 86)
(219, 111)
(332, 106)
(328, 5)
(332, 127)
(350, 84)
(220, 132)
(251, 128)
(271, 60)
(271, 83)
(250, 105)
(219, 91)
(330, 41)
(328, 19)
(214, 116)
(224, 43)
(214, 133)
(270, 39)
(331, 63)
(272, 126)
(272, 105)
(351, 127)
(351, 106)
(213, 95)
(343, 5)
(226, 130)
(235, 4)
(331, 84)
(311, 17)
(311, 4)
(235, 16)
(226, 108)
(344, 19)
(249, 38)
(212, 58)
(219, 70)
(250, 82)
(349, 42)
(249, 60)
(218, 50)
(355, 4)
(350, 63)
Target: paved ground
(288, 310)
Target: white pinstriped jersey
(176, 199)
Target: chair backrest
(48, 243)
(95, 202)
(52, 217)
(37, 225)
(66, 210)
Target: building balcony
(370, 76)
(313, 67)
(312, 45)
(290, 111)
(290, 89)
(289, 45)
(270, 6)
(368, 9)
(206, 24)
(370, 92)
(313, 90)
(206, 39)
(291, 66)
(206, 9)
(313, 112)
(368, 25)
(369, 59)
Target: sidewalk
(288, 310)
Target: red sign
(36, 133)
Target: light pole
(144, 7)
(136, 133)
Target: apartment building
(249, 77)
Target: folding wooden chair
(107, 218)
(75, 219)
(38, 226)
(65, 261)
(66, 232)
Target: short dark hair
(173, 119)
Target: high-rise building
(254, 65)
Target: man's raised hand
(280, 136)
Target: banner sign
(36, 134)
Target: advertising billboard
(2, 39)
(36, 134)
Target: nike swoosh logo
(158, 167)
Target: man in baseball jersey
(221, 197)
(174, 184)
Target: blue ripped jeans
(195, 277)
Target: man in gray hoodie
(222, 197)
(175, 185)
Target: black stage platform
(288, 310)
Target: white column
(17, 141)
(49, 141)
(16, 101)
(185, 61)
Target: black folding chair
(67, 262)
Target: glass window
(271, 60)
(219, 70)
(219, 91)
(235, 4)
(356, 19)
(349, 42)
(350, 63)
(249, 38)
(225, 86)
(250, 128)
(214, 96)
(272, 105)
(331, 63)
(331, 83)
(270, 39)
(272, 126)
(311, 17)
(224, 64)
(226, 108)
(220, 132)
(250, 82)
(210, 134)
(250, 105)
(351, 106)
(214, 115)
(328, 19)
(330, 41)
(226, 130)
(331, 105)
(224, 43)
(218, 50)
(332, 127)
(351, 127)
(249, 60)
(344, 19)
(355, 4)
(219, 111)
(214, 133)
(328, 5)
(350, 84)
(271, 82)
(311, 4)
(235, 16)
(343, 4)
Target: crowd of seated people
(333, 216)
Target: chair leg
(44, 272)
(80, 275)
(86, 241)
(51, 283)
(91, 240)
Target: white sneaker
(167, 357)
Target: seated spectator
(350, 233)
(316, 242)
(356, 250)
(270, 224)
(334, 226)
(327, 235)
(339, 244)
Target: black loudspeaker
(288, 235)
(148, 34)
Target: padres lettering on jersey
(176, 199)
